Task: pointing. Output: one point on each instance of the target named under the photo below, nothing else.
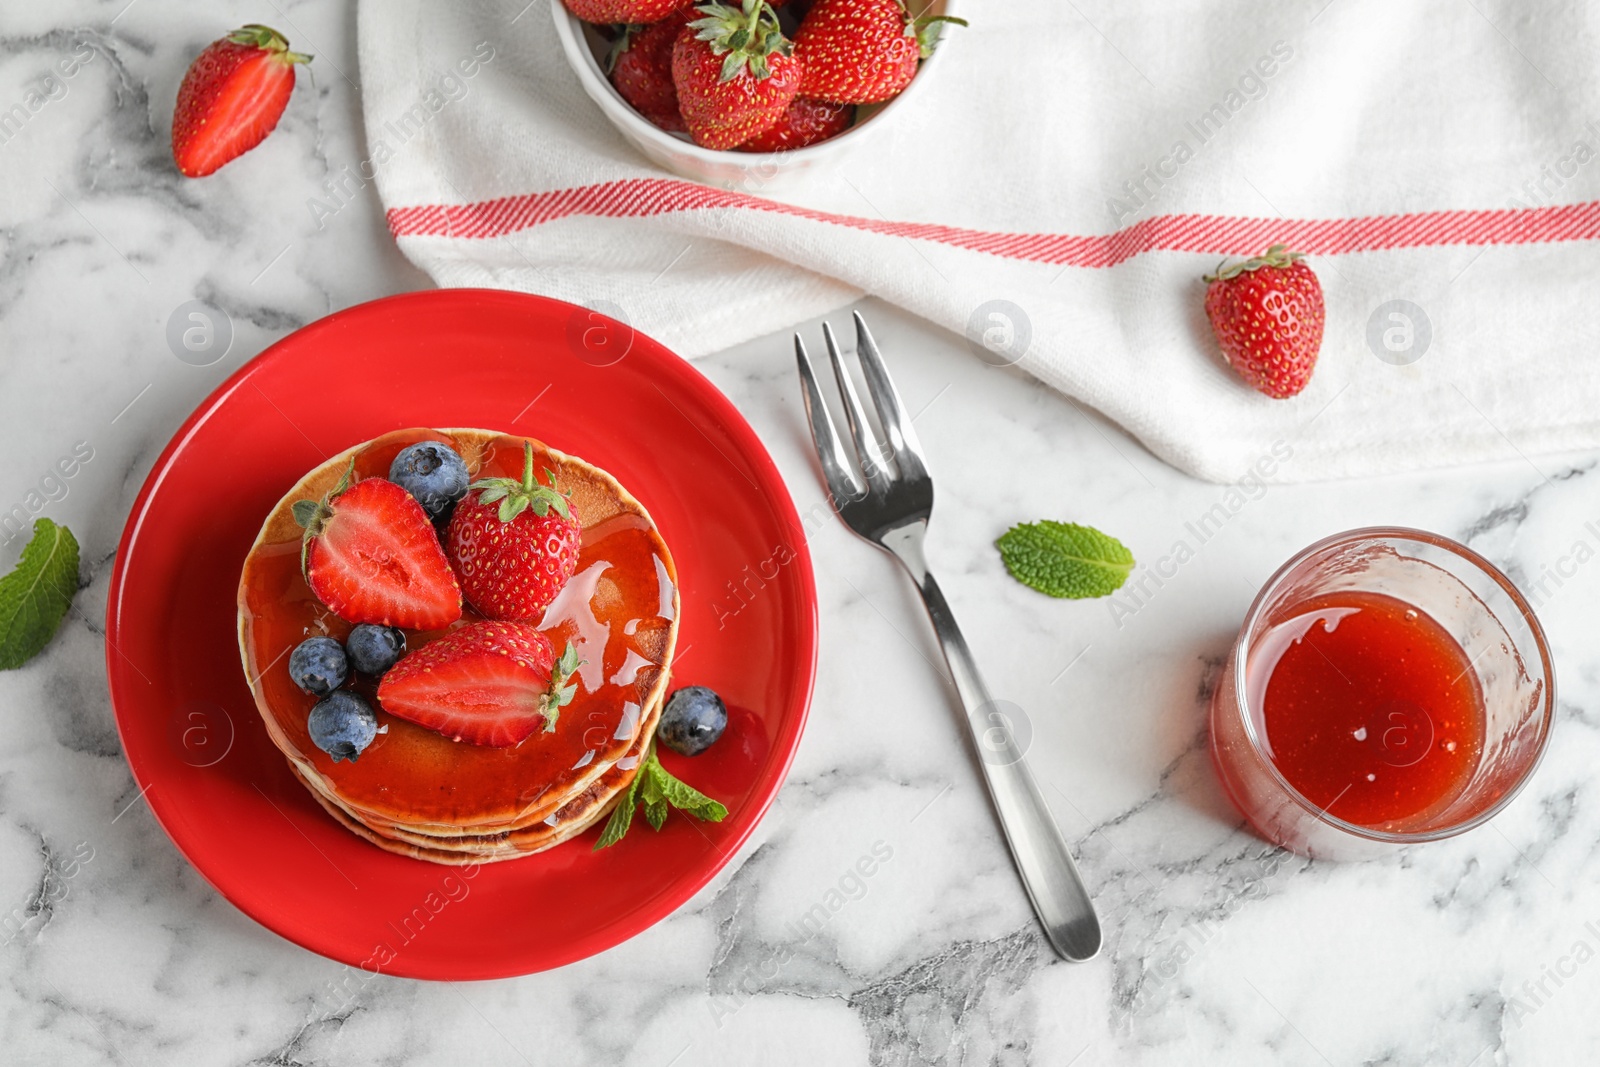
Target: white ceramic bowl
(585, 50)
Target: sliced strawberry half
(370, 554)
(231, 98)
(488, 683)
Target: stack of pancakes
(418, 793)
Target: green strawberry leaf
(560, 693)
(516, 496)
(927, 29)
(623, 42)
(569, 661)
(743, 36)
(1063, 559)
(512, 506)
(312, 516)
(556, 499)
(35, 596)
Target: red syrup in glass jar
(1368, 707)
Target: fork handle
(1040, 851)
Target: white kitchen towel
(1061, 185)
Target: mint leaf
(656, 788)
(686, 798)
(37, 593)
(1063, 559)
(621, 816)
(651, 793)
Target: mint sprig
(35, 596)
(1063, 559)
(656, 788)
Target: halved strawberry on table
(232, 97)
(487, 683)
(733, 72)
(371, 555)
(863, 51)
(513, 544)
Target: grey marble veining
(1219, 948)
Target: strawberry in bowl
(787, 86)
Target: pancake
(577, 816)
(551, 804)
(572, 817)
(418, 790)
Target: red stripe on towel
(1212, 234)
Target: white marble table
(1219, 949)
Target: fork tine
(830, 450)
(891, 409)
(868, 450)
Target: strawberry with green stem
(733, 72)
(863, 51)
(513, 543)
(232, 97)
(640, 67)
(1268, 315)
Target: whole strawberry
(231, 98)
(1268, 315)
(734, 74)
(863, 51)
(807, 122)
(640, 66)
(513, 544)
(639, 12)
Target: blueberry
(374, 649)
(342, 725)
(318, 665)
(692, 720)
(434, 474)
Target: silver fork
(892, 512)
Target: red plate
(501, 361)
